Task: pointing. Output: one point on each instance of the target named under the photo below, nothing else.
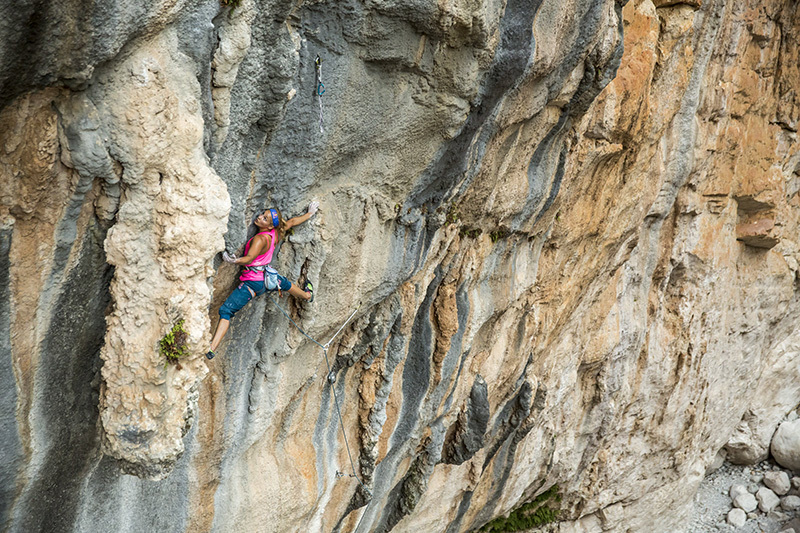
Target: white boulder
(736, 490)
(746, 502)
(767, 500)
(790, 503)
(716, 463)
(785, 445)
(748, 444)
(777, 394)
(778, 481)
(736, 517)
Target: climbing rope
(331, 380)
(320, 90)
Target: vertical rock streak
(11, 446)
(461, 160)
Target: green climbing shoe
(309, 288)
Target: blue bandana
(275, 220)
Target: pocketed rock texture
(168, 226)
(568, 231)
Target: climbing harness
(271, 282)
(331, 373)
(320, 89)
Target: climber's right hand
(228, 258)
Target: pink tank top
(263, 259)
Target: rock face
(568, 229)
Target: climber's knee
(238, 299)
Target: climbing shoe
(309, 288)
(210, 354)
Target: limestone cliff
(568, 231)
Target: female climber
(258, 277)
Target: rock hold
(758, 234)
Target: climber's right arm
(260, 242)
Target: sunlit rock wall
(567, 231)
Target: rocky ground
(713, 501)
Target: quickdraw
(325, 348)
(320, 89)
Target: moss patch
(532, 514)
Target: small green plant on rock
(498, 234)
(452, 216)
(532, 514)
(173, 345)
(472, 233)
(233, 4)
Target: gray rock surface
(10, 446)
(45, 43)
